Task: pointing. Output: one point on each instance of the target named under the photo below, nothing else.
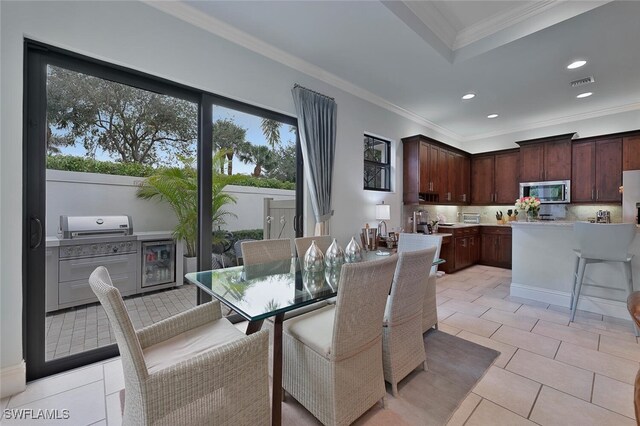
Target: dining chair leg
(394, 389)
(574, 304)
(424, 366)
(383, 401)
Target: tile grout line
(57, 393)
(474, 408)
(593, 387)
(535, 400)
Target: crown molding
(501, 21)
(431, 16)
(220, 28)
(556, 121)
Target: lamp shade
(383, 211)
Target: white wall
(78, 194)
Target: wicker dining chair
(412, 242)
(402, 340)
(333, 356)
(264, 251)
(303, 243)
(189, 369)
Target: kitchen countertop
(564, 223)
(468, 225)
(139, 236)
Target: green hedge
(88, 165)
(245, 180)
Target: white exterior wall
(80, 194)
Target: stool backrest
(604, 241)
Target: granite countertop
(468, 225)
(564, 223)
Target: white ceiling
(421, 57)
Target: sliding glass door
(135, 173)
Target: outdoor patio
(80, 329)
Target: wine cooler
(158, 263)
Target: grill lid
(91, 226)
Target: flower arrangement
(531, 205)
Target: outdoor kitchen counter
(140, 236)
(153, 235)
(543, 264)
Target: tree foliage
(271, 131)
(131, 124)
(258, 155)
(284, 164)
(228, 138)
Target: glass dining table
(258, 292)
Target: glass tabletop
(257, 292)
(260, 291)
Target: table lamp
(383, 212)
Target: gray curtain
(317, 128)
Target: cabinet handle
(592, 193)
(597, 194)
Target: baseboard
(13, 379)
(613, 308)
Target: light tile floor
(549, 372)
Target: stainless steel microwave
(550, 192)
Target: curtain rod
(312, 91)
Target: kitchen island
(543, 265)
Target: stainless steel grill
(87, 242)
(93, 226)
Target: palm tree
(258, 155)
(271, 131)
(228, 137)
(178, 186)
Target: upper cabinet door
(482, 178)
(531, 163)
(423, 167)
(631, 153)
(583, 172)
(608, 170)
(557, 160)
(506, 177)
(463, 184)
(434, 168)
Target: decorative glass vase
(334, 255)
(313, 259)
(353, 252)
(532, 215)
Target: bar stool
(601, 243)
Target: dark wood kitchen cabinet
(434, 173)
(464, 250)
(596, 171)
(482, 178)
(495, 178)
(631, 153)
(546, 159)
(495, 247)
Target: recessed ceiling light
(584, 95)
(492, 116)
(576, 64)
(469, 96)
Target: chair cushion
(190, 344)
(314, 329)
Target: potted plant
(178, 186)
